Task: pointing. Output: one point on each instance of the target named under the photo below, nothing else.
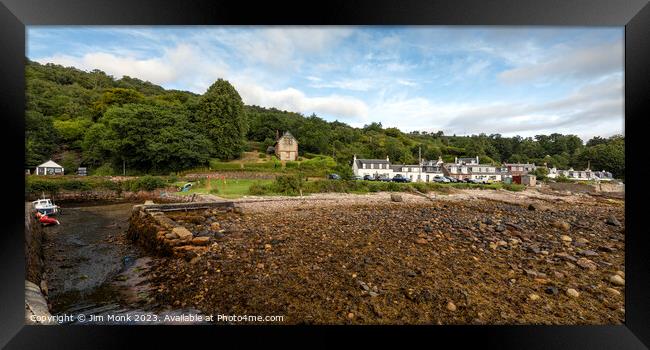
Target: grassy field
(232, 188)
(315, 165)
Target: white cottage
(376, 168)
(49, 168)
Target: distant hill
(91, 118)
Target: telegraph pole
(420, 160)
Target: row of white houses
(580, 175)
(462, 168)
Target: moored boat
(45, 206)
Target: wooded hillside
(92, 119)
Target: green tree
(220, 113)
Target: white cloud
(291, 99)
(580, 63)
(593, 109)
(183, 63)
(348, 84)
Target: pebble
(566, 238)
(500, 228)
(563, 225)
(572, 293)
(587, 253)
(613, 291)
(617, 280)
(611, 220)
(533, 296)
(421, 241)
(587, 264)
(350, 315)
(533, 206)
(451, 306)
(551, 290)
(621, 273)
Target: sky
(462, 80)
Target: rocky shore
(473, 257)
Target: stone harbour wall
(36, 307)
(152, 227)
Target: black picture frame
(633, 14)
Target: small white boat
(45, 207)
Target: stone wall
(36, 307)
(99, 195)
(152, 227)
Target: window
(372, 166)
(364, 165)
(427, 178)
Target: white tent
(49, 168)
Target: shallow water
(92, 269)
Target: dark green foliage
(35, 185)
(220, 113)
(107, 122)
(146, 137)
(146, 183)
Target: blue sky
(461, 80)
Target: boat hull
(47, 211)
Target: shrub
(76, 185)
(103, 170)
(37, 185)
(258, 189)
(514, 187)
(146, 183)
(288, 184)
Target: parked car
(400, 178)
(451, 179)
(334, 177)
(440, 179)
(383, 178)
(185, 188)
(368, 178)
(475, 181)
(357, 177)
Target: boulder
(201, 241)
(572, 293)
(182, 233)
(395, 197)
(617, 280)
(611, 220)
(587, 264)
(562, 225)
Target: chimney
(477, 162)
(388, 160)
(455, 160)
(355, 158)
